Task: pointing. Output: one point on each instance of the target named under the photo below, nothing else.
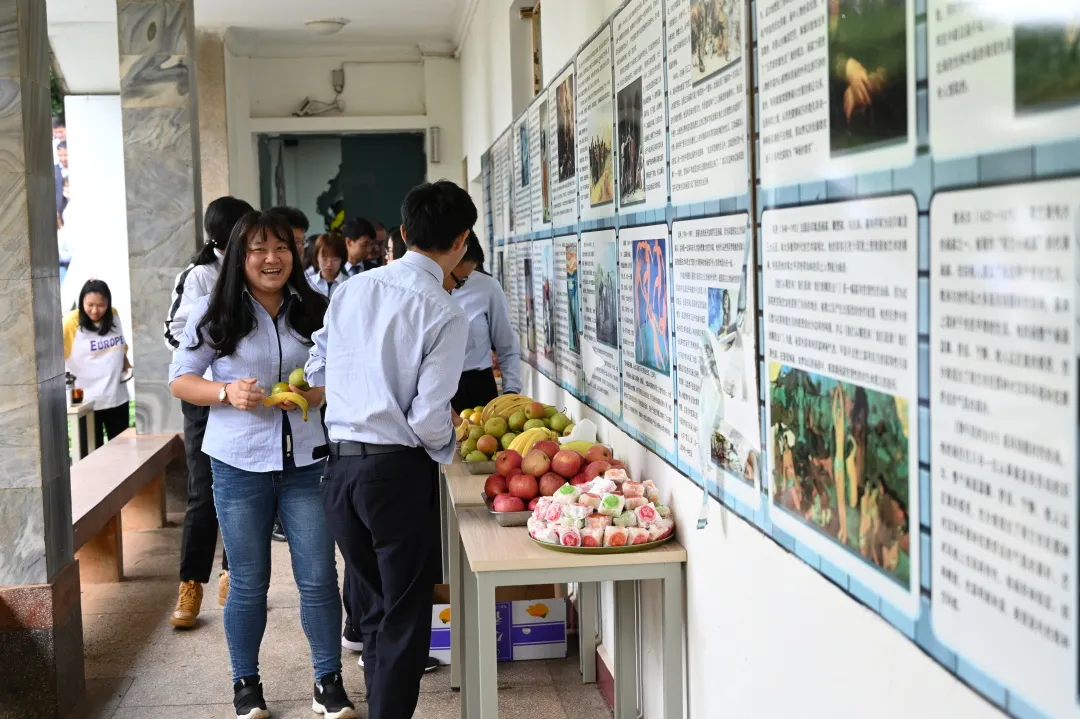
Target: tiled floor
(135, 660)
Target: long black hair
(105, 326)
(221, 217)
(230, 316)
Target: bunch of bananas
(525, 441)
(505, 405)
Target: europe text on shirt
(390, 357)
(251, 440)
(484, 303)
(97, 361)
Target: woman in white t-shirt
(95, 352)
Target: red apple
(598, 453)
(566, 462)
(547, 447)
(579, 479)
(507, 461)
(616, 464)
(597, 469)
(532, 503)
(549, 483)
(508, 503)
(523, 486)
(536, 463)
(494, 486)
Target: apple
(522, 486)
(566, 462)
(548, 447)
(508, 503)
(616, 464)
(532, 503)
(495, 485)
(535, 410)
(516, 421)
(596, 469)
(507, 461)
(536, 463)
(549, 483)
(598, 453)
(496, 427)
(579, 479)
(488, 445)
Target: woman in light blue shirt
(251, 332)
(484, 302)
(329, 259)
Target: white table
(461, 490)
(506, 556)
(76, 414)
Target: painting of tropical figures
(840, 464)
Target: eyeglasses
(458, 282)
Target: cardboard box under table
(530, 623)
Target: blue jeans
(247, 503)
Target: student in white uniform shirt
(330, 258)
(95, 351)
(484, 302)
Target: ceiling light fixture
(328, 26)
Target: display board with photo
(543, 297)
(640, 107)
(568, 315)
(648, 358)
(539, 164)
(841, 409)
(500, 191)
(596, 128)
(715, 314)
(521, 180)
(1000, 78)
(837, 88)
(562, 136)
(707, 99)
(1003, 361)
(599, 268)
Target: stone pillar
(161, 164)
(41, 655)
(213, 126)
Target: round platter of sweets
(609, 515)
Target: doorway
(331, 177)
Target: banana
(580, 445)
(296, 399)
(504, 406)
(525, 441)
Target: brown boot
(223, 588)
(188, 604)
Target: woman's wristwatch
(223, 395)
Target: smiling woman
(252, 332)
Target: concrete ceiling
(388, 21)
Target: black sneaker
(351, 640)
(330, 698)
(248, 699)
(432, 665)
(278, 533)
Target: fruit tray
(507, 519)
(603, 550)
(487, 467)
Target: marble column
(161, 162)
(213, 126)
(41, 668)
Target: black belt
(363, 449)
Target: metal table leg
(470, 694)
(486, 662)
(587, 630)
(91, 438)
(457, 617)
(626, 643)
(674, 678)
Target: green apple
(506, 439)
(496, 427)
(534, 424)
(559, 422)
(549, 411)
(475, 433)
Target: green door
(378, 171)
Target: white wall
(86, 53)
(767, 636)
(279, 85)
(96, 223)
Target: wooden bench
(118, 486)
